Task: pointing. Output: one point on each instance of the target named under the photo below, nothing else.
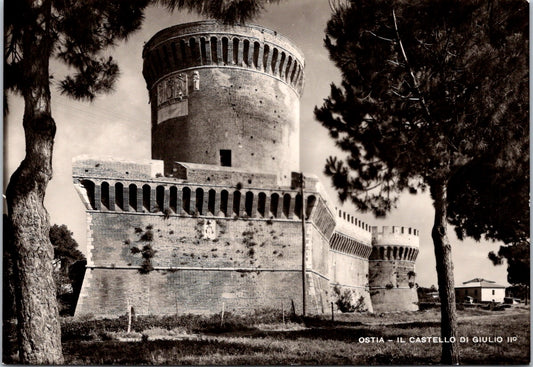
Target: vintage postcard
(287, 184)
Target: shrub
(344, 299)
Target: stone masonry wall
(199, 263)
(350, 272)
(259, 125)
(393, 285)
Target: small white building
(481, 290)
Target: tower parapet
(394, 243)
(392, 268)
(225, 95)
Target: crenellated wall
(392, 276)
(193, 199)
(223, 245)
(209, 43)
(260, 229)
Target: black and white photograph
(266, 182)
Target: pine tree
(75, 32)
(429, 89)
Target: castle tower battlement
(225, 95)
(394, 243)
(349, 225)
(392, 268)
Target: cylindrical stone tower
(225, 95)
(392, 269)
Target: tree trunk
(443, 258)
(39, 332)
(9, 326)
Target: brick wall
(260, 125)
(392, 285)
(247, 264)
(351, 272)
(188, 291)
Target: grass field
(264, 339)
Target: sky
(118, 125)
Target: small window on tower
(225, 157)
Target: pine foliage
(430, 91)
(227, 11)
(77, 33)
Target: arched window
(266, 50)
(224, 202)
(400, 253)
(186, 200)
(236, 202)
(286, 205)
(105, 194)
(274, 202)
(246, 51)
(256, 54)
(119, 195)
(261, 202)
(225, 50)
(199, 201)
(160, 197)
(173, 200)
(382, 253)
(89, 189)
(288, 68)
(211, 202)
(184, 55)
(146, 197)
(281, 65)
(203, 51)
(235, 50)
(248, 203)
(298, 206)
(293, 73)
(195, 52)
(274, 61)
(132, 199)
(214, 51)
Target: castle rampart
(217, 219)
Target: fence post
(222, 315)
(129, 317)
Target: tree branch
(408, 65)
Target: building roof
(480, 283)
